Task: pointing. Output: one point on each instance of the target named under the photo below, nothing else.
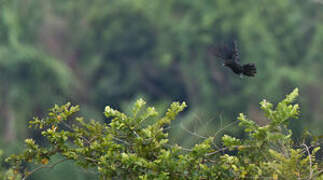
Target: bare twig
(67, 125)
(181, 147)
(310, 159)
(120, 140)
(228, 125)
(217, 151)
(42, 167)
(91, 159)
(192, 133)
(318, 173)
(186, 149)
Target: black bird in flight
(232, 60)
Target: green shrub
(136, 146)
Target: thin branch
(42, 167)
(137, 135)
(120, 140)
(67, 125)
(192, 133)
(181, 147)
(91, 159)
(225, 148)
(186, 149)
(92, 139)
(318, 173)
(84, 138)
(310, 159)
(228, 125)
(217, 151)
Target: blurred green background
(110, 52)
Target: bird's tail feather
(249, 69)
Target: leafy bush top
(134, 147)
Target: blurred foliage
(136, 146)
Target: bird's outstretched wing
(223, 51)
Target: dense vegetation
(100, 52)
(136, 146)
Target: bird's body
(232, 60)
(236, 68)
